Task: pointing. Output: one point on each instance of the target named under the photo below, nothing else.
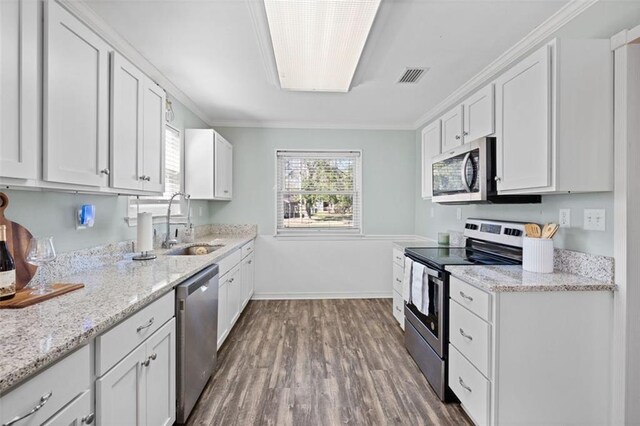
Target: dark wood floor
(319, 362)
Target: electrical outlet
(565, 218)
(459, 213)
(594, 219)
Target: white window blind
(318, 191)
(172, 180)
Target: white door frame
(625, 386)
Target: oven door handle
(435, 275)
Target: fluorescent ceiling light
(318, 43)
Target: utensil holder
(537, 255)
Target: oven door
(459, 175)
(432, 324)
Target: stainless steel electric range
(488, 242)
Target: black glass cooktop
(442, 256)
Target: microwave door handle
(465, 161)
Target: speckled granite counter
(515, 279)
(34, 337)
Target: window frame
(158, 205)
(319, 232)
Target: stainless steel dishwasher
(197, 327)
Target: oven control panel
(503, 232)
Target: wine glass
(39, 253)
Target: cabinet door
(76, 101)
(430, 148)
(479, 114)
(153, 134)
(524, 124)
(248, 279)
(235, 295)
(120, 396)
(223, 309)
(126, 124)
(199, 155)
(223, 168)
(452, 129)
(77, 413)
(160, 376)
(18, 89)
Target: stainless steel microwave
(467, 174)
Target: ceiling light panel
(318, 43)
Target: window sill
(175, 220)
(320, 236)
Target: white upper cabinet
(554, 124)
(153, 123)
(452, 125)
(223, 168)
(479, 114)
(137, 129)
(76, 101)
(208, 165)
(19, 105)
(430, 148)
(524, 125)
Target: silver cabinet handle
(145, 178)
(497, 178)
(464, 296)
(43, 401)
(89, 418)
(399, 280)
(153, 356)
(398, 309)
(458, 137)
(467, 388)
(399, 258)
(142, 177)
(147, 325)
(249, 262)
(226, 191)
(465, 335)
(105, 171)
(465, 133)
(231, 280)
(146, 362)
(148, 178)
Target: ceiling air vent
(412, 75)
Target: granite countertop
(414, 243)
(35, 337)
(513, 278)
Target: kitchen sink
(195, 250)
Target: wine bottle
(7, 268)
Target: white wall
(311, 268)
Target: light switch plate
(594, 220)
(565, 218)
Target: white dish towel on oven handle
(417, 287)
(406, 279)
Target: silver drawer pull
(89, 418)
(465, 335)
(399, 258)
(153, 356)
(146, 362)
(147, 325)
(43, 401)
(399, 280)
(467, 388)
(464, 296)
(398, 308)
(249, 262)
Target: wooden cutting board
(18, 238)
(26, 296)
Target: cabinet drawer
(115, 344)
(398, 275)
(472, 298)
(228, 263)
(398, 257)
(74, 413)
(54, 388)
(471, 387)
(471, 336)
(398, 308)
(247, 249)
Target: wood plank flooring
(319, 362)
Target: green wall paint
(574, 238)
(52, 213)
(388, 174)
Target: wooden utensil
(18, 238)
(532, 230)
(550, 230)
(26, 296)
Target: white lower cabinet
(223, 302)
(397, 286)
(77, 413)
(530, 357)
(234, 280)
(140, 389)
(248, 278)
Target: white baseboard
(310, 296)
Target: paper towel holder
(145, 255)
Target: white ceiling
(218, 53)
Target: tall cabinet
(208, 165)
(18, 89)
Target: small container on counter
(537, 255)
(443, 238)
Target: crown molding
(97, 24)
(532, 40)
(312, 125)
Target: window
(172, 180)
(318, 191)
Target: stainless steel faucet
(168, 241)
